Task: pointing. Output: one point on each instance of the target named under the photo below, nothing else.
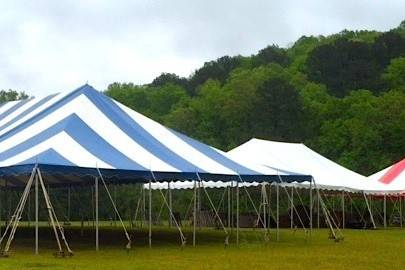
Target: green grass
(380, 249)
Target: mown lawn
(361, 249)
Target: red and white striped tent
(392, 177)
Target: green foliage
(395, 74)
(342, 95)
(11, 95)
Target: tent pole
(317, 210)
(400, 210)
(264, 205)
(1, 210)
(278, 211)
(291, 208)
(229, 207)
(385, 211)
(194, 212)
(36, 214)
(96, 209)
(68, 215)
(369, 210)
(199, 205)
(150, 213)
(310, 208)
(170, 203)
(143, 218)
(237, 213)
(343, 210)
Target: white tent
(296, 157)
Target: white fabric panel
(398, 183)
(64, 145)
(179, 147)
(8, 105)
(299, 158)
(85, 109)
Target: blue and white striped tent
(71, 135)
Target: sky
(49, 46)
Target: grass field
(361, 249)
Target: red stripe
(393, 172)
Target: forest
(343, 95)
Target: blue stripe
(218, 157)
(13, 108)
(42, 114)
(122, 120)
(49, 156)
(139, 134)
(29, 110)
(83, 135)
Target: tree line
(342, 95)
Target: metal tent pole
(194, 213)
(310, 208)
(278, 210)
(229, 207)
(369, 210)
(96, 209)
(400, 210)
(1, 210)
(150, 213)
(264, 204)
(385, 211)
(68, 215)
(292, 208)
(170, 203)
(343, 210)
(317, 210)
(237, 213)
(36, 214)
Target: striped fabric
(70, 135)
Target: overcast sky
(52, 46)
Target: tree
(344, 65)
(394, 74)
(215, 70)
(11, 95)
(271, 54)
(169, 78)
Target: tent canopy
(298, 157)
(392, 177)
(70, 136)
